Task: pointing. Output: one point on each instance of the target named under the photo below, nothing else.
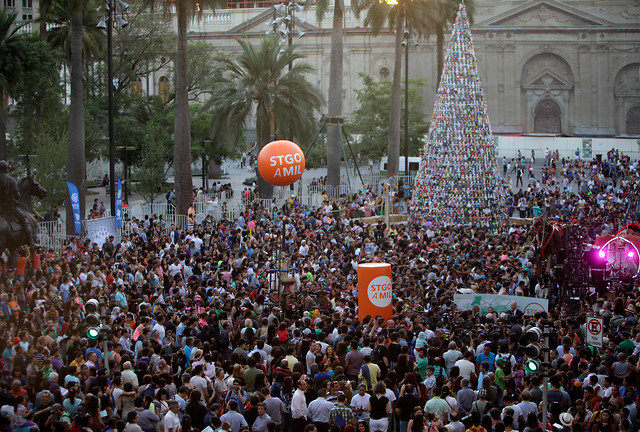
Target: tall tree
(76, 160)
(416, 15)
(75, 30)
(260, 79)
(10, 52)
(371, 119)
(447, 11)
(334, 150)
(185, 11)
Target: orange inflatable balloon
(281, 163)
(375, 296)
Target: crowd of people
(199, 333)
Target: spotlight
(602, 254)
(631, 254)
(102, 24)
(122, 23)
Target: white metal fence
(223, 205)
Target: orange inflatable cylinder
(374, 290)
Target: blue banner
(119, 205)
(75, 206)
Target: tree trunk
(334, 142)
(182, 131)
(440, 49)
(214, 170)
(3, 128)
(263, 132)
(395, 112)
(76, 150)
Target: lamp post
(285, 26)
(107, 23)
(406, 38)
(405, 43)
(126, 169)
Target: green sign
(500, 303)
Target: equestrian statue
(18, 225)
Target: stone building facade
(547, 66)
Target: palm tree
(448, 10)
(185, 10)
(10, 51)
(334, 150)
(260, 79)
(417, 15)
(75, 31)
(60, 15)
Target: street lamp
(285, 26)
(406, 40)
(107, 23)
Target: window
(27, 3)
(10, 3)
(384, 73)
(136, 90)
(164, 88)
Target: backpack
(223, 340)
(339, 420)
(440, 380)
(481, 409)
(379, 355)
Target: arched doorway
(548, 117)
(633, 121)
(547, 77)
(626, 89)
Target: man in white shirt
(360, 403)
(304, 251)
(159, 327)
(466, 366)
(199, 382)
(310, 357)
(451, 356)
(299, 407)
(175, 268)
(129, 376)
(319, 411)
(171, 420)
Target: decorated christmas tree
(458, 181)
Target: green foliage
(202, 69)
(144, 47)
(371, 119)
(153, 154)
(37, 90)
(94, 40)
(49, 165)
(257, 83)
(317, 156)
(10, 52)
(260, 78)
